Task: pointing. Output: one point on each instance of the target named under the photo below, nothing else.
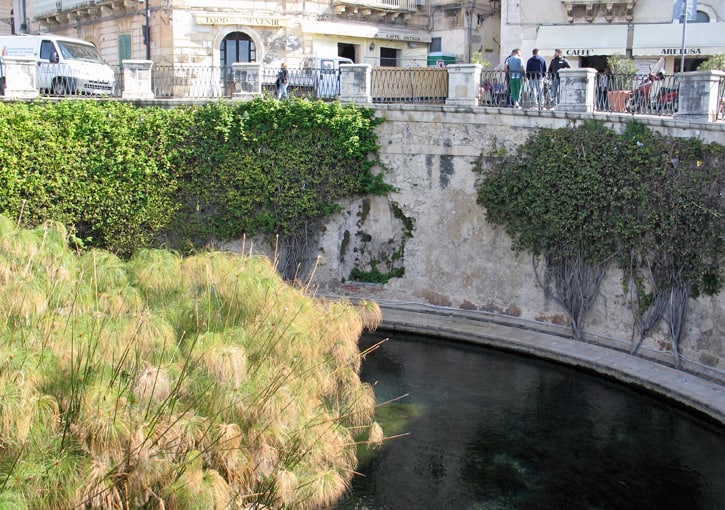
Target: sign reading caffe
(579, 53)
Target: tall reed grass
(170, 382)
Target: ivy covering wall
(582, 199)
(123, 177)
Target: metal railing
(633, 94)
(66, 80)
(638, 94)
(495, 91)
(46, 7)
(191, 82)
(309, 82)
(409, 85)
(402, 5)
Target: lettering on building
(257, 21)
(579, 53)
(404, 37)
(678, 51)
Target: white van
(64, 65)
(322, 74)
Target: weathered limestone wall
(453, 258)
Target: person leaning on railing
(557, 63)
(535, 71)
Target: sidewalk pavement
(694, 392)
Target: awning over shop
(663, 40)
(581, 40)
(363, 31)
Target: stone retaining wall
(433, 228)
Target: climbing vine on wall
(580, 198)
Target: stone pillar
(698, 97)
(19, 79)
(464, 84)
(247, 80)
(137, 79)
(577, 90)
(356, 83)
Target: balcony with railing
(607, 6)
(65, 11)
(376, 8)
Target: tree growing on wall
(577, 199)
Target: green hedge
(124, 177)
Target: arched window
(237, 47)
(702, 17)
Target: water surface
(494, 430)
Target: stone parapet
(577, 90)
(19, 78)
(137, 79)
(356, 83)
(247, 78)
(699, 96)
(464, 84)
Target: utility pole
(684, 29)
(146, 29)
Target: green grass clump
(171, 382)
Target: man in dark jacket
(557, 63)
(535, 71)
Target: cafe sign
(393, 36)
(579, 52)
(678, 51)
(254, 21)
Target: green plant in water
(203, 381)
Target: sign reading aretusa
(257, 21)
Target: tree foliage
(714, 63)
(578, 198)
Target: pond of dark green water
(484, 429)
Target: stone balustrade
(19, 77)
(699, 91)
(137, 79)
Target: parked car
(64, 65)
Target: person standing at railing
(557, 63)
(602, 90)
(282, 79)
(507, 78)
(535, 71)
(516, 76)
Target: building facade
(218, 33)
(588, 31)
(397, 33)
(6, 18)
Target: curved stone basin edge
(701, 395)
